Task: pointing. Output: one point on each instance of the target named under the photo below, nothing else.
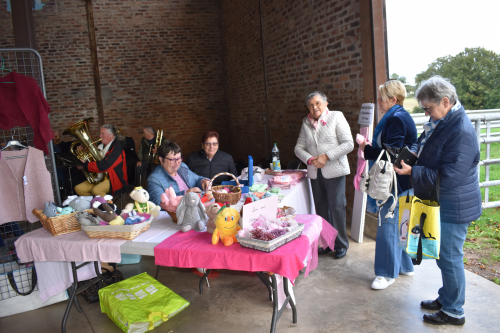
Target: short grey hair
(316, 93)
(435, 89)
(113, 131)
(149, 129)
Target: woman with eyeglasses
(210, 161)
(446, 171)
(173, 173)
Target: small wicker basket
(232, 197)
(59, 225)
(127, 232)
(173, 215)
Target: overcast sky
(420, 31)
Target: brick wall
(6, 29)
(308, 45)
(190, 66)
(160, 64)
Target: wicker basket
(127, 232)
(232, 197)
(269, 246)
(59, 225)
(173, 215)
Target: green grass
(409, 103)
(484, 233)
(496, 280)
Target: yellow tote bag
(420, 227)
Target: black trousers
(330, 203)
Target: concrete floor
(336, 297)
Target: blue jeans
(390, 259)
(451, 264)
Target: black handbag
(91, 294)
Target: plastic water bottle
(276, 158)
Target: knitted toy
(79, 204)
(65, 210)
(84, 218)
(112, 206)
(212, 211)
(169, 200)
(191, 213)
(117, 221)
(108, 215)
(133, 218)
(227, 226)
(142, 203)
(95, 202)
(50, 209)
(207, 198)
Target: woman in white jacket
(324, 141)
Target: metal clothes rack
(27, 62)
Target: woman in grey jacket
(324, 141)
(446, 171)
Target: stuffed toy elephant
(79, 204)
(191, 213)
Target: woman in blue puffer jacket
(446, 171)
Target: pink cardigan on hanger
(24, 184)
(23, 103)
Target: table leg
(290, 300)
(75, 290)
(207, 271)
(274, 286)
(72, 297)
(157, 271)
(276, 313)
(265, 281)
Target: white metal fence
(482, 119)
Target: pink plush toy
(169, 200)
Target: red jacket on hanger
(23, 103)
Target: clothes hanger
(14, 143)
(3, 68)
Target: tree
(395, 76)
(475, 73)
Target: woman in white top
(324, 141)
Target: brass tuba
(89, 153)
(159, 137)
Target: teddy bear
(212, 211)
(191, 213)
(142, 203)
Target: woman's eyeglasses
(213, 144)
(174, 160)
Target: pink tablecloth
(40, 245)
(194, 249)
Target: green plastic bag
(140, 303)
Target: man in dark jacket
(146, 150)
(113, 162)
(210, 161)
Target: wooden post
(95, 62)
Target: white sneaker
(381, 283)
(407, 273)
